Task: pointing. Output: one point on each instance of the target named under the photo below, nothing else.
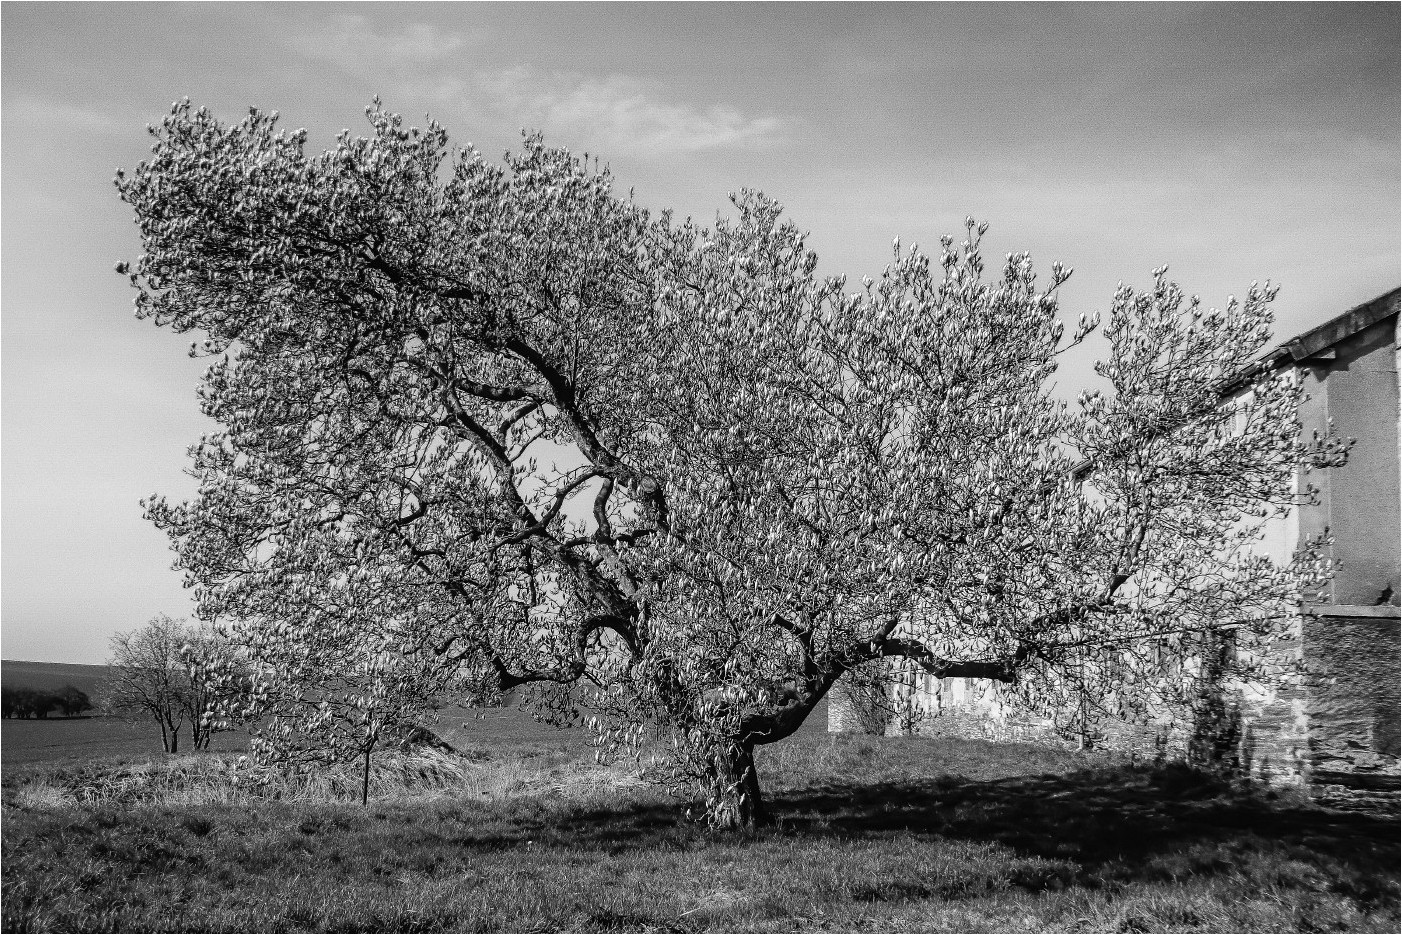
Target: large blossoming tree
(504, 423)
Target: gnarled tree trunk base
(733, 798)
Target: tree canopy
(498, 421)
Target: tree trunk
(733, 797)
(365, 780)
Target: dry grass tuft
(217, 779)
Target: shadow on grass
(1131, 824)
(1094, 817)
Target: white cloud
(614, 111)
(619, 111)
(350, 42)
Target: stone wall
(970, 709)
(1271, 730)
(1352, 706)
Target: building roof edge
(1340, 327)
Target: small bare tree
(150, 676)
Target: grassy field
(80, 740)
(83, 739)
(74, 741)
(899, 834)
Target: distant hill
(15, 673)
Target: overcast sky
(1231, 142)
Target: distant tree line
(39, 703)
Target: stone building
(1335, 731)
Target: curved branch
(997, 670)
(507, 680)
